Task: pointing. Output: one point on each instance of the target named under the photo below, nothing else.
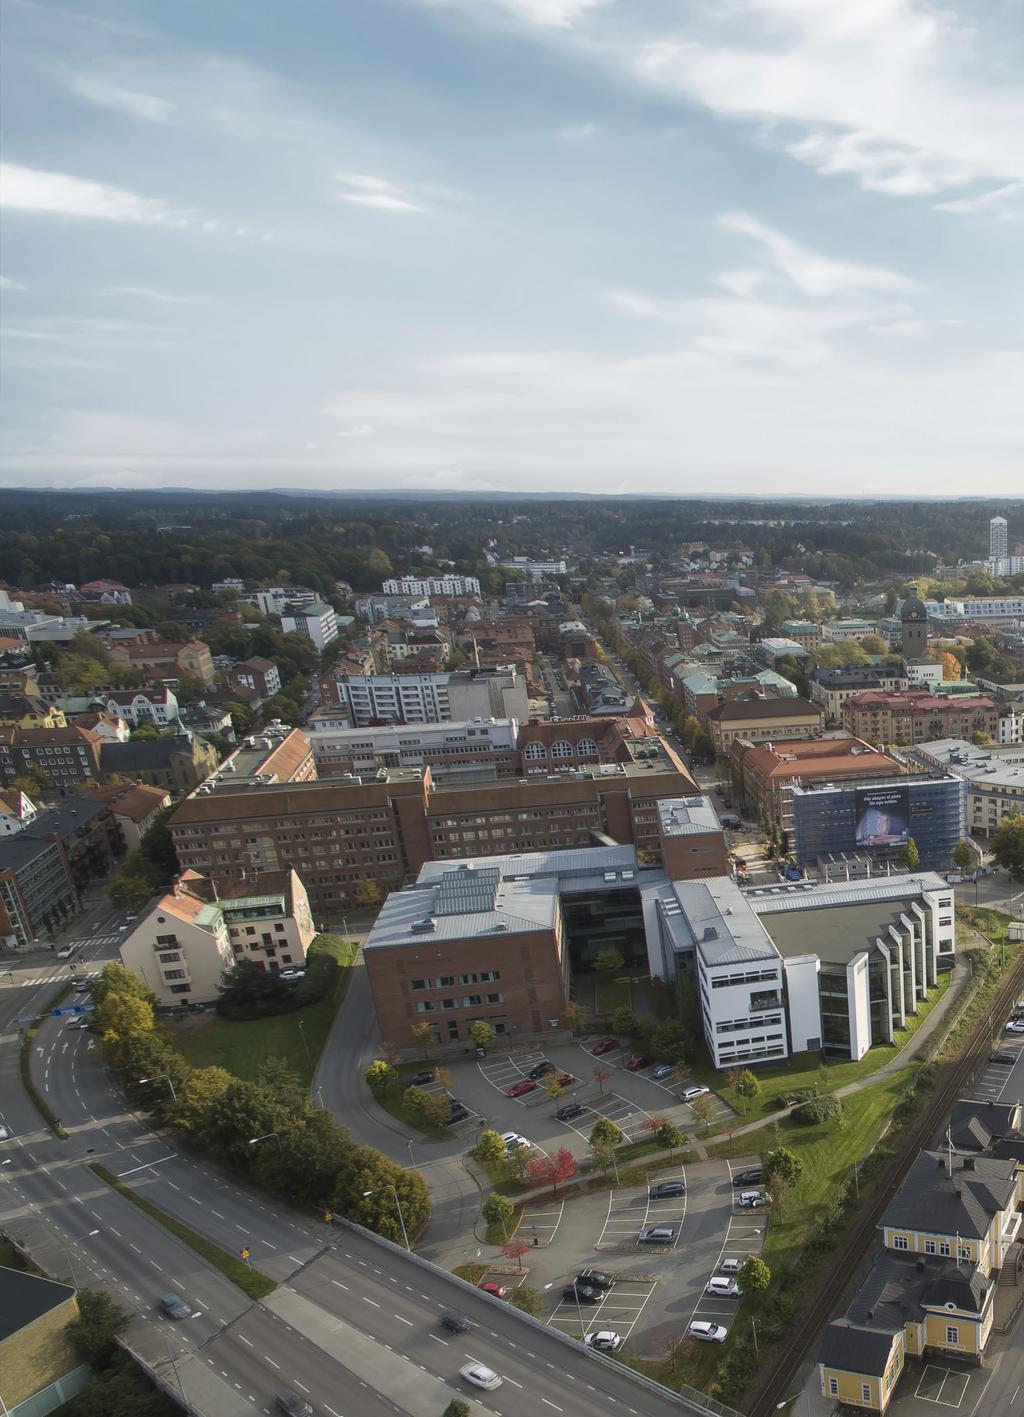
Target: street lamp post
(398, 1207)
(159, 1077)
(266, 1137)
(302, 1035)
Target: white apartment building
(189, 937)
(536, 570)
(159, 707)
(316, 621)
(997, 539)
(449, 748)
(395, 698)
(987, 607)
(449, 585)
(994, 777)
(1011, 724)
(802, 967)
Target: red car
(637, 1062)
(565, 1079)
(605, 1046)
(498, 1290)
(518, 1089)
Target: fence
(48, 1399)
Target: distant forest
(153, 538)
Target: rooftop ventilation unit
(710, 933)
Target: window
(963, 1252)
(167, 939)
(533, 751)
(586, 748)
(865, 1392)
(419, 983)
(952, 1336)
(929, 1247)
(944, 1248)
(279, 928)
(169, 959)
(174, 974)
(181, 988)
(900, 1242)
(561, 749)
(833, 1387)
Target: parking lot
(619, 1310)
(631, 1212)
(745, 1235)
(1003, 1081)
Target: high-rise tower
(997, 542)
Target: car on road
(724, 1287)
(497, 1291)
(4, 1133)
(480, 1376)
(456, 1323)
(752, 1200)
(707, 1332)
(174, 1306)
(1008, 1059)
(581, 1294)
(569, 1111)
(422, 1078)
(66, 952)
(605, 1046)
(75, 1021)
(696, 1089)
(753, 1177)
(663, 1070)
(658, 1235)
(732, 1266)
(521, 1088)
(513, 1140)
(605, 1340)
(638, 1061)
(595, 1279)
(666, 1190)
(540, 1069)
(564, 1079)
(292, 1404)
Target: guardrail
(958, 1076)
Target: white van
(67, 951)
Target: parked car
(565, 1079)
(497, 1291)
(605, 1046)
(752, 1200)
(292, 1404)
(521, 1088)
(663, 1070)
(458, 1113)
(637, 1062)
(724, 1287)
(581, 1294)
(753, 1177)
(666, 1190)
(732, 1266)
(513, 1140)
(421, 1079)
(1006, 1058)
(695, 1089)
(605, 1340)
(290, 975)
(174, 1306)
(480, 1376)
(540, 1069)
(570, 1110)
(595, 1279)
(707, 1332)
(1015, 1026)
(658, 1235)
(456, 1323)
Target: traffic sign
(72, 1009)
(244, 1254)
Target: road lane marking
(245, 1340)
(369, 1301)
(405, 1321)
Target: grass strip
(44, 1109)
(251, 1281)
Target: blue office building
(877, 817)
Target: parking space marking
(541, 1223)
(619, 1310)
(501, 1073)
(623, 1221)
(942, 1376)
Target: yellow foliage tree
(195, 1099)
(121, 1015)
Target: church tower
(914, 620)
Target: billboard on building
(882, 815)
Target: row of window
(446, 981)
(934, 1247)
(585, 748)
(756, 976)
(468, 1001)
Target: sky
(650, 246)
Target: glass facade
(603, 920)
(835, 1012)
(825, 821)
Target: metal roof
(803, 895)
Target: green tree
(498, 1210)
(171, 632)
(575, 1018)
(242, 1112)
(457, 1408)
(367, 894)
(964, 858)
(381, 1075)
(424, 1036)
(626, 1022)
(100, 1319)
(1008, 846)
(194, 1101)
(435, 1110)
(668, 1040)
(274, 1074)
(415, 1098)
(605, 1132)
(489, 1149)
(704, 1109)
(247, 991)
(368, 1170)
(527, 1299)
(115, 979)
(122, 1015)
(747, 1086)
(754, 1276)
(481, 1033)
(670, 1136)
(608, 961)
(129, 892)
(911, 855)
(783, 1166)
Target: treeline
(302, 1155)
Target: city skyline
(514, 245)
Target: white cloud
(577, 132)
(546, 14)
(139, 105)
(357, 430)
(145, 292)
(30, 189)
(998, 202)
(811, 272)
(363, 190)
(7, 283)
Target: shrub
(819, 1109)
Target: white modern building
(450, 749)
(994, 777)
(985, 607)
(317, 622)
(447, 585)
(536, 570)
(997, 539)
(434, 698)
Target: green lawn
(828, 1154)
(207, 1040)
(806, 1070)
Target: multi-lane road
(354, 1323)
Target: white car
(513, 1140)
(606, 1341)
(695, 1090)
(66, 952)
(480, 1376)
(4, 1133)
(724, 1287)
(731, 1266)
(752, 1200)
(1015, 1026)
(707, 1332)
